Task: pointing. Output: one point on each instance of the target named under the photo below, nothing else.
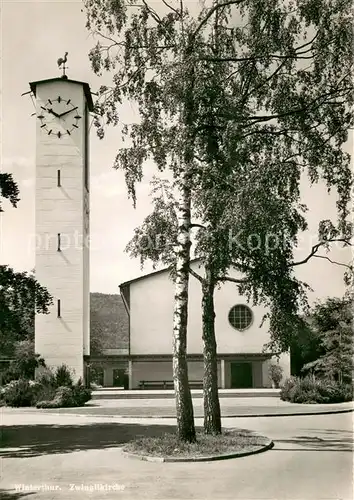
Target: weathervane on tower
(61, 62)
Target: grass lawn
(167, 445)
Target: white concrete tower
(62, 220)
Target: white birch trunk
(184, 405)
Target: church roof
(153, 273)
(85, 85)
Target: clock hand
(66, 112)
(53, 113)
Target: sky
(30, 50)
(33, 35)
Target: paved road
(312, 459)
(158, 408)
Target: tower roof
(85, 85)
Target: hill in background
(109, 322)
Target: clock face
(59, 117)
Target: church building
(149, 301)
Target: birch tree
(262, 91)
(153, 57)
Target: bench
(196, 384)
(156, 384)
(167, 384)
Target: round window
(240, 317)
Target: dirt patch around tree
(232, 443)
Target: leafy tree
(24, 363)
(237, 111)
(8, 189)
(333, 323)
(305, 347)
(276, 374)
(157, 71)
(21, 296)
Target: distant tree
(96, 334)
(108, 323)
(332, 321)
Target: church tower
(62, 220)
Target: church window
(240, 317)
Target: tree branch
(198, 225)
(152, 12)
(122, 44)
(234, 280)
(272, 56)
(211, 12)
(310, 107)
(334, 261)
(254, 59)
(272, 75)
(196, 275)
(172, 8)
(315, 249)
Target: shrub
(276, 374)
(312, 390)
(50, 390)
(80, 394)
(47, 378)
(288, 389)
(67, 397)
(18, 393)
(96, 375)
(9, 375)
(46, 386)
(24, 364)
(63, 377)
(46, 404)
(63, 398)
(23, 392)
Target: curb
(236, 415)
(211, 458)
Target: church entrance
(241, 375)
(120, 378)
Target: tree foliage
(239, 100)
(108, 323)
(24, 363)
(272, 101)
(332, 321)
(21, 296)
(8, 189)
